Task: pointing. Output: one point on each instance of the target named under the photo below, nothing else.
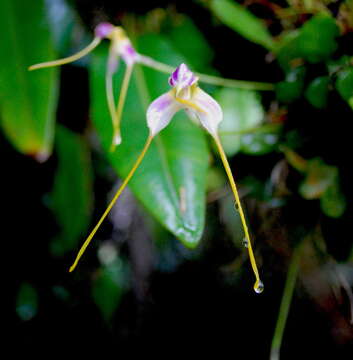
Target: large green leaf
(71, 198)
(171, 179)
(243, 22)
(27, 99)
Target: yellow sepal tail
(68, 59)
(111, 204)
(120, 107)
(258, 286)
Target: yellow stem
(258, 286)
(121, 102)
(111, 204)
(69, 59)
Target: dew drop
(245, 242)
(259, 287)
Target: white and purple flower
(120, 47)
(185, 94)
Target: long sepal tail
(68, 59)
(111, 204)
(120, 107)
(258, 286)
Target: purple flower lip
(103, 30)
(182, 77)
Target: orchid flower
(120, 46)
(184, 95)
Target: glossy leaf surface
(27, 99)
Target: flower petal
(161, 111)
(207, 110)
(182, 79)
(103, 30)
(121, 46)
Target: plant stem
(209, 79)
(263, 128)
(285, 305)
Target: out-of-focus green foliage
(319, 177)
(27, 302)
(317, 91)
(197, 52)
(171, 179)
(242, 111)
(333, 202)
(71, 198)
(27, 99)
(111, 281)
(291, 88)
(315, 41)
(344, 85)
(317, 38)
(243, 22)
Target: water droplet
(259, 287)
(245, 242)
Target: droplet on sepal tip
(259, 287)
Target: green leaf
(291, 88)
(72, 195)
(344, 84)
(287, 51)
(317, 40)
(109, 286)
(242, 111)
(196, 49)
(243, 22)
(333, 202)
(26, 302)
(317, 92)
(171, 179)
(27, 99)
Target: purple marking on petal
(129, 54)
(162, 103)
(102, 30)
(182, 77)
